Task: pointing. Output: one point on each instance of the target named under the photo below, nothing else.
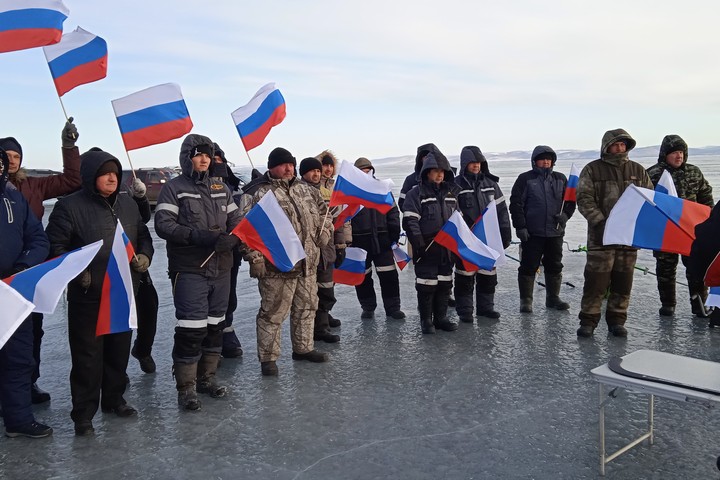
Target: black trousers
(547, 250)
(16, 366)
(146, 303)
(38, 333)
(389, 283)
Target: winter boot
(206, 380)
(698, 295)
(425, 307)
(552, 292)
(486, 305)
(231, 347)
(333, 322)
(526, 285)
(185, 374)
(585, 331)
(666, 288)
(440, 308)
(667, 311)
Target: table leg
(602, 430)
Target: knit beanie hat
(9, 143)
(308, 164)
(280, 156)
(328, 160)
(109, 166)
(363, 162)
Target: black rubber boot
(486, 305)
(440, 308)
(698, 295)
(206, 379)
(185, 374)
(526, 285)
(425, 307)
(552, 292)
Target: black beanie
(280, 156)
(308, 164)
(9, 143)
(544, 156)
(328, 160)
(107, 167)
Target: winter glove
(226, 242)
(19, 268)
(85, 279)
(140, 263)
(561, 219)
(204, 238)
(138, 188)
(522, 234)
(69, 134)
(339, 257)
(257, 265)
(324, 236)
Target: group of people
(197, 211)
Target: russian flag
(151, 116)
(15, 310)
(30, 23)
(267, 228)
(487, 230)
(571, 188)
(255, 120)
(355, 187)
(79, 58)
(712, 274)
(666, 185)
(457, 237)
(649, 219)
(43, 284)
(401, 257)
(117, 301)
(352, 269)
(345, 215)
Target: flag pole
(62, 105)
(562, 206)
(132, 168)
(248, 155)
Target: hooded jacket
(603, 181)
(478, 190)
(428, 206)
(327, 183)
(37, 189)
(688, 179)
(194, 201)
(537, 198)
(86, 216)
(23, 242)
(414, 178)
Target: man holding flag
(690, 184)
(539, 214)
(99, 364)
(24, 244)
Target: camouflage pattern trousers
(607, 268)
(278, 297)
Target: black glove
(522, 234)
(339, 257)
(69, 134)
(204, 238)
(226, 242)
(19, 268)
(561, 219)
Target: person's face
(284, 171)
(473, 168)
(544, 163)
(328, 170)
(436, 175)
(14, 158)
(617, 147)
(312, 176)
(106, 184)
(675, 159)
(366, 169)
(218, 159)
(201, 162)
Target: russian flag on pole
(487, 229)
(79, 58)
(666, 184)
(457, 237)
(255, 120)
(30, 23)
(352, 269)
(649, 219)
(151, 116)
(267, 228)
(15, 310)
(345, 215)
(401, 257)
(43, 284)
(571, 188)
(355, 187)
(117, 301)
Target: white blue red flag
(43, 284)
(352, 270)
(117, 301)
(267, 229)
(401, 257)
(355, 187)
(345, 215)
(487, 229)
(644, 218)
(255, 120)
(79, 58)
(457, 237)
(571, 188)
(15, 310)
(30, 23)
(151, 116)
(666, 184)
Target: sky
(379, 78)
